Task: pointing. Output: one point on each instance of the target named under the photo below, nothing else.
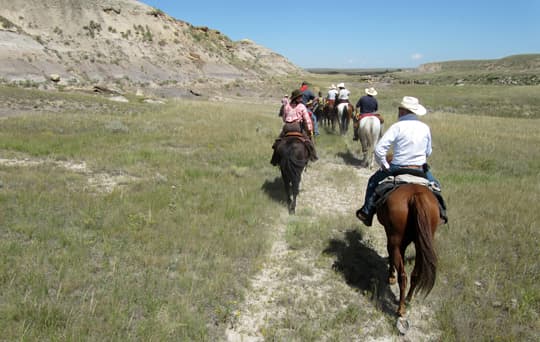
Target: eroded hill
(122, 42)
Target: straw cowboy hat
(341, 85)
(371, 91)
(295, 94)
(333, 86)
(412, 104)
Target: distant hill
(352, 72)
(122, 42)
(516, 63)
(512, 70)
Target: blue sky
(371, 34)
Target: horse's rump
(369, 131)
(411, 214)
(345, 106)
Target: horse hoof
(401, 312)
(402, 325)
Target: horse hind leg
(295, 191)
(391, 275)
(287, 186)
(289, 197)
(414, 277)
(371, 156)
(365, 149)
(292, 205)
(397, 262)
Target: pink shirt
(298, 113)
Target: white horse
(369, 131)
(344, 113)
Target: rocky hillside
(123, 43)
(512, 70)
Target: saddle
(365, 115)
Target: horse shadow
(349, 159)
(363, 269)
(274, 189)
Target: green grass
(489, 251)
(168, 255)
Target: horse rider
(331, 96)
(307, 94)
(343, 94)
(367, 105)
(310, 105)
(411, 142)
(297, 122)
(321, 101)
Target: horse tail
(344, 110)
(426, 258)
(371, 134)
(372, 130)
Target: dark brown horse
(411, 214)
(294, 156)
(330, 115)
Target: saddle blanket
(390, 183)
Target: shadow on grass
(349, 159)
(328, 129)
(275, 189)
(363, 268)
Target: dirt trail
(276, 281)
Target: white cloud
(417, 56)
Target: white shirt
(344, 94)
(332, 94)
(411, 140)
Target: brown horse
(410, 214)
(330, 115)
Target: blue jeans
(315, 124)
(381, 174)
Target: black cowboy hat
(295, 94)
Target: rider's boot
(365, 214)
(442, 206)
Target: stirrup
(365, 218)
